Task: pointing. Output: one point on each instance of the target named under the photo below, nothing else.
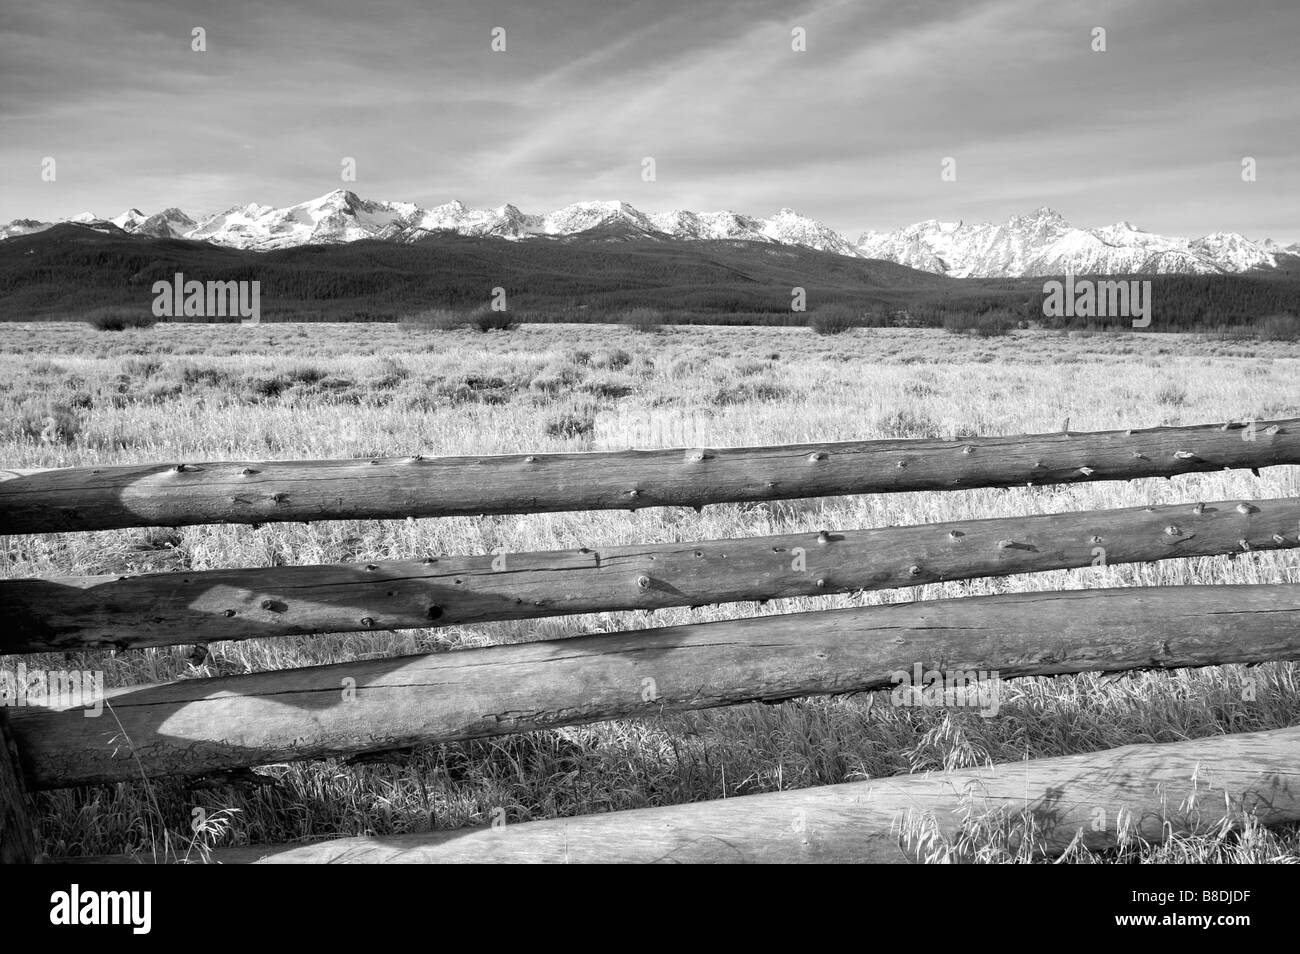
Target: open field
(193, 392)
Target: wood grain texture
(1137, 790)
(204, 725)
(17, 831)
(77, 613)
(184, 492)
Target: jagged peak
(337, 197)
(1028, 243)
(1043, 215)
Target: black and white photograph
(830, 431)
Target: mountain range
(1037, 244)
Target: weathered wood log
(168, 608)
(1104, 798)
(203, 725)
(99, 498)
(17, 831)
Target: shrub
(49, 422)
(161, 392)
(261, 388)
(644, 320)
(989, 324)
(906, 424)
(310, 374)
(1172, 394)
(1280, 327)
(141, 367)
(473, 389)
(436, 319)
(606, 388)
(570, 425)
(558, 377)
(335, 384)
(613, 360)
(192, 375)
(687, 367)
(119, 319)
(833, 319)
(479, 382)
(388, 371)
(485, 319)
(747, 392)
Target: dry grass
(198, 392)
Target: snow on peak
(129, 220)
(1036, 243)
(1043, 243)
(1235, 252)
(1041, 214)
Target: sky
(853, 131)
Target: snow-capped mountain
(344, 217)
(1040, 243)
(339, 216)
(789, 228)
(22, 227)
(130, 220)
(169, 223)
(506, 222)
(1044, 243)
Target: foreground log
(167, 608)
(204, 725)
(179, 493)
(1104, 798)
(17, 832)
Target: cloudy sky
(853, 131)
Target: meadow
(75, 396)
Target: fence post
(17, 833)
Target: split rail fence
(208, 726)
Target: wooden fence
(204, 726)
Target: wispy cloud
(851, 131)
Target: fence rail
(1142, 791)
(206, 606)
(167, 495)
(206, 726)
(200, 726)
